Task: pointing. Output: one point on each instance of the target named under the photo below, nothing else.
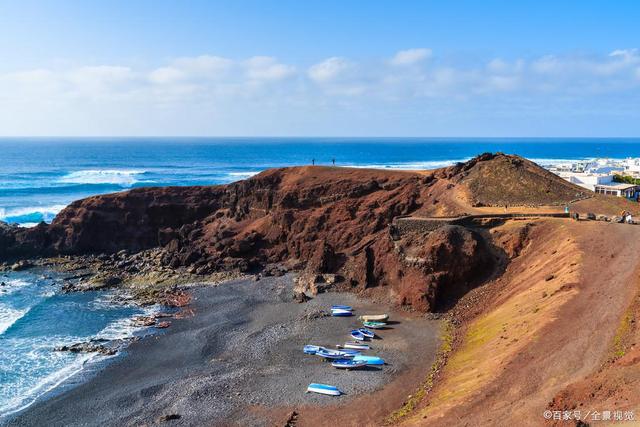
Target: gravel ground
(241, 349)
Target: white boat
(348, 364)
(355, 345)
(323, 389)
(336, 354)
(374, 317)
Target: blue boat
(348, 364)
(348, 351)
(324, 389)
(342, 307)
(341, 312)
(367, 333)
(357, 335)
(311, 349)
(370, 360)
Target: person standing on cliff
(313, 162)
(333, 161)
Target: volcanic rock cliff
(327, 220)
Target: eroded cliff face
(327, 220)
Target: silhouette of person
(333, 161)
(313, 162)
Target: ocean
(36, 317)
(39, 177)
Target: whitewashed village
(613, 177)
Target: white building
(619, 189)
(587, 180)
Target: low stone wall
(407, 224)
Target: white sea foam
(30, 215)
(12, 285)
(434, 164)
(124, 328)
(241, 175)
(9, 316)
(44, 385)
(121, 177)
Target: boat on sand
(367, 333)
(357, 335)
(370, 360)
(323, 389)
(354, 345)
(374, 317)
(348, 364)
(374, 325)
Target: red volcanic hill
(331, 220)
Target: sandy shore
(238, 361)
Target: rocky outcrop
(317, 219)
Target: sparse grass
(619, 340)
(446, 346)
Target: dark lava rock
(169, 417)
(87, 347)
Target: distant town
(613, 177)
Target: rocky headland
(318, 220)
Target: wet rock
(169, 417)
(87, 347)
(144, 321)
(163, 325)
(22, 265)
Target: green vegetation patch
(446, 346)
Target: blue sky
(326, 68)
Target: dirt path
(552, 323)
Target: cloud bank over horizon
(414, 91)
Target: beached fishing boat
(335, 354)
(374, 325)
(374, 317)
(370, 360)
(323, 389)
(342, 307)
(339, 312)
(367, 333)
(354, 345)
(311, 349)
(357, 335)
(348, 364)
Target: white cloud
(165, 75)
(329, 69)
(410, 56)
(199, 67)
(208, 84)
(267, 68)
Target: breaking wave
(122, 177)
(30, 215)
(9, 316)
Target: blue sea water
(38, 177)
(35, 317)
